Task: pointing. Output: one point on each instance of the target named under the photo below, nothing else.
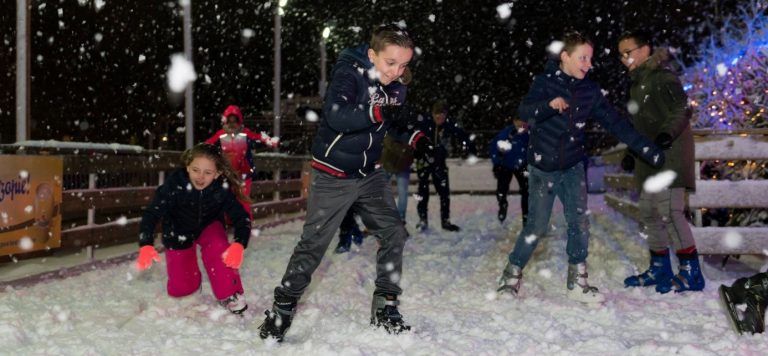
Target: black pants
(439, 175)
(329, 200)
(502, 188)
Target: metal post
(323, 63)
(189, 121)
(91, 215)
(22, 70)
(276, 80)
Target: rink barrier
(748, 145)
(105, 192)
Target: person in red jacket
(237, 143)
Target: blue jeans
(569, 186)
(403, 179)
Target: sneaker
(278, 320)
(510, 280)
(345, 243)
(421, 226)
(235, 304)
(384, 314)
(578, 287)
(449, 227)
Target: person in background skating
(509, 155)
(557, 108)
(191, 203)
(662, 115)
(349, 232)
(397, 159)
(751, 292)
(439, 130)
(364, 100)
(237, 143)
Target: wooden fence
(710, 194)
(105, 191)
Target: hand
(233, 256)
(496, 170)
(424, 150)
(628, 163)
(398, 116)
(663, 140)
(146, 255)
(559, 104)
(273, 142)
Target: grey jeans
(664, 221)
(329, 199)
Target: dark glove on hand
(663, 140)
(496, 171)
(628, 163)
(424, 151)
(398, 116)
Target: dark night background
(89, 84)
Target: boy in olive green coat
(659, 111)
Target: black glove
(663, 140)
(399, 116)
(424, 151)
(496, 170)
(628, 163)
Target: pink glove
(233, 256)
(146, 255)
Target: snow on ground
(449, 281)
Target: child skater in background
(237, 143)
(191, 204)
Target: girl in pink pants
(191, 205)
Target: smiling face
(202, 172)
(390, 63)
(633, 55)
(577, 63)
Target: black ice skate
(448, 226)
(384, 314)
(278, 320)
(751, 292)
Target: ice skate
(510, 280)
(278, 320)
(384, 314)
(578, 287)
(235, 304)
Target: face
(520, 125)
(231, 124)
(632, 55)
(202, 172)
(439, 118)
(578, 63)
(390, 63)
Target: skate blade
(507, 290)
(730, 310)
(586, 298)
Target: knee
(183, 284)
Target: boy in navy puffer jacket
(557, 108)
(364, 100)
(509, 155)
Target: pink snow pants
(184, 275)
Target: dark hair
(641, 38)
(390, 34)
(440, 107)
(213, 152)
(573, 39)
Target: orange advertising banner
(30, 203)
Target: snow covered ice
(448, 279)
